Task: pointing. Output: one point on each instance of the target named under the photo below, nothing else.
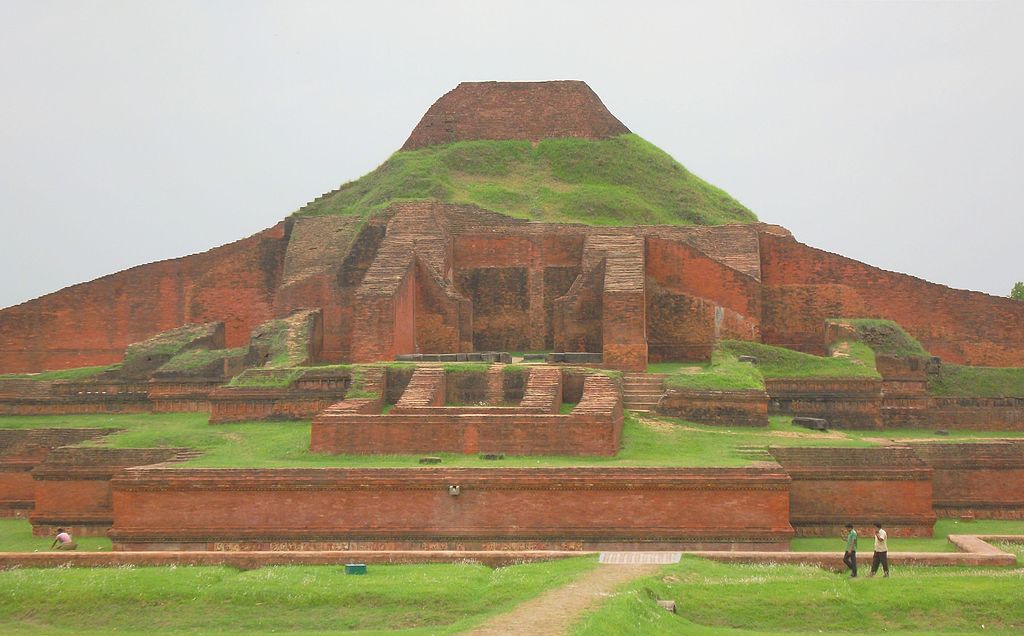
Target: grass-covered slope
(883, 336)
(857, 361)
(959, 380)
(726, 373)
(620, 181)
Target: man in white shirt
(881, 555)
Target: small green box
(355, 568)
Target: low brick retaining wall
(982, 479)
(959, 413)
(835, 486)
(723, 408)
(72, 486)
(594, 427)
(21, 450)
(449, 508)
(241, 405)
(845, 402)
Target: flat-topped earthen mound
(528, 111)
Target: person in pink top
(63, 541)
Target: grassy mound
(726, 373)
(167, 344)
(883, 336)
(858, 361)
(195, 360)
(959, 380)
(620, 181)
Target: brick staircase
(600, 398)
(641, 391)
(425, 388)
(543, 390)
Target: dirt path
(554, 611)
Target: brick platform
(445, 508)
(418, 424)
(982, 479)
(72, 486)
(834, 486)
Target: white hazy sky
(133, 131)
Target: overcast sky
(136, 131)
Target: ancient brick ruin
(303, 322)
(437, 278)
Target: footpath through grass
(717, 598)
(646, 441)
(407, 599)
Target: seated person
(64, 540)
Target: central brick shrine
(438, 277)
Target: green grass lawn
(646, 442)
(16, 536)
(649, 442)
(406, 599)
(726, 373)
(955, 380)
(779, 362)
(717, 598)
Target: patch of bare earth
(555, 611)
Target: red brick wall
(844, 402)
(693, 302)
(250, 405)
(72, 487)
(81, 506)
(835, 486)
(806, 285)
(515, 110)
(680, 267)
(984, 479)
(20, 451)
(451, 432)
(624, 330)
(579, 508)
(16, 489)
(726, 408)
(92, 323)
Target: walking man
(850, 556)
(881, 555)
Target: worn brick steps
(543, 389)
(641, 392)
(425, 388)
